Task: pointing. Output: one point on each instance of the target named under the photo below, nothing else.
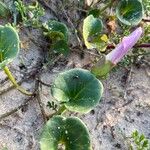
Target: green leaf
(56, 30)
(135, 134)
(70, 132)
(9, 45)
(145, 144)
(95, 12)
(58, 33)
(61, 46)
(4, 11)
(130, 12)
(78, 89)
(92, 28)
(142, 137)
(29, 14)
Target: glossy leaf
(130, 12)
(78, 89)
(92, 28)
(70, 132)
(9, 45)
(56, 30)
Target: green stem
(12, 79)
(60, 110)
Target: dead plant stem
(7, 114)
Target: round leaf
(130, 12)
(9, 45)
(70, 132)
(92, 28)
(57, 30)
(78, 89)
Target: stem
(12, 79)
(146, 20)
(60, 110)
(144, 45)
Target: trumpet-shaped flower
(101, 69)
(126, 44)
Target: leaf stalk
(12, 79)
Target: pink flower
(121, 49)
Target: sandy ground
(124, 107)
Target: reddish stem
(145, 45)
(146, 20)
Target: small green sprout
(9, 49)
(70, 132)
(146, 4)
(30, 14)
(52, 105)
(139, 141)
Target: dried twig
(146, 20)
(7, 114)
(43, 83)
(38, 97)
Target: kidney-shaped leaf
(56, 30)
(9, 45)
(70, 132)
(78, 89)
(130, 12)
(92, 28)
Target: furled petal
(126, 44)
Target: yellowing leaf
(92, 28)
(104, 38)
